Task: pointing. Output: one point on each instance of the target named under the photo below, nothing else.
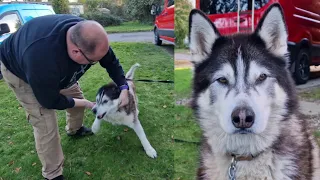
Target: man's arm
(114, 69)
(112, 64)
(43, 76)
(47, 92)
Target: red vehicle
(164, 22)
(302, 18)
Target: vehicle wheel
(157, 40)
(302, 67)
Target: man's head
(87, 42)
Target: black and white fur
(106, 108)
(249, 72)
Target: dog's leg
(96, 126)
(144, 141)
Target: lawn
(182, 50)
(113, 153)
(186, 131)
(312, 94)
(129, 27)
(182, 86)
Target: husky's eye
(105, 101)
(262, 77)
(223, 80)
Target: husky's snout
(242, 117)
(101, 116)
(94, 110)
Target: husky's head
(242, 88)
(106, 100)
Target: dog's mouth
(243, 131)
(101, 116)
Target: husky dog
(106, 108)
(245, 102)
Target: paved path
(131, 37)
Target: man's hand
(90, 104)
(124, 98)
(83, 103)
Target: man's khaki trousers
(44, 122)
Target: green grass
(313, 94)
(181, 50)
(129, 27)
(103, 155)
(182, 86)
(186, 131)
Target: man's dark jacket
(37, 54)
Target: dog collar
(235, 158)
(242, 157)
(239, 157)
(124, 87)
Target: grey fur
(285, 147)
(107, 109)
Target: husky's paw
(95, 127)
(151, 152)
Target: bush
(140, 9)
(181, 29)
(114, 8)
(61, 6)
(102, 18)
(92, 5)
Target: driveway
(131, 37)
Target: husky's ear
(272, 29)
(202, 35)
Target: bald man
(42, 63)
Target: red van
(302, 18)
(164, 22)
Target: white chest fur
(266, 166)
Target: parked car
(302, 18)
(15, 15)
(164, 22)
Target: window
(228, 6)
(170, 3)
(12, 20)
(28, 14)
(43, 12)
(258, 4)
(160, 7)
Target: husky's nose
(242, 117)
(94, 110)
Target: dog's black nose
(94, 110)
(242, 117)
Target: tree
(140, 9)
(61, 6)
(181, 18)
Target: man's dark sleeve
(114, 68)
(43, 77)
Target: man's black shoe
(57, 178)
(83, 131)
